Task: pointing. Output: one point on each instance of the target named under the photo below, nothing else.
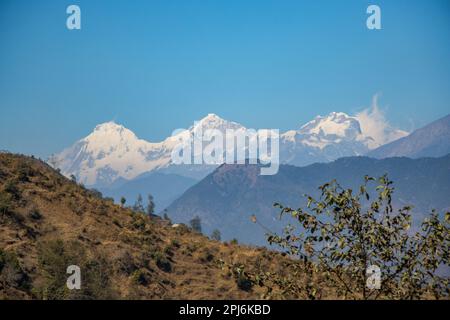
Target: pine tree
(196, 224)
(216, 235)
(150, 205)
(166, 216)
(138, 205)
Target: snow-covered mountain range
(113, 152)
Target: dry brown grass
(146, 258)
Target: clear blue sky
(158, 65)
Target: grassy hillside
(48, 222)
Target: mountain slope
(432, 140)
(48, 222)
(109, 152)
(112, 151)
(228, 197)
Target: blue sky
(158, 65)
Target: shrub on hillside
(10, 188)
(35, 214)
(162, 262)
(24, 171)
(360, 249)
(5, 203)
(11, 273)
(141, 277)
(196, 224)
(54, 258)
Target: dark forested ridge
(231, 194)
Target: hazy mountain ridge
(433, 140)
(164, 187)
(227, 198)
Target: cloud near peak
(374, 124)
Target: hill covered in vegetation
(48, 222)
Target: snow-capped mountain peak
(112, 151)
(111, 134)
(323, 139)
(109, 152)
(213, 121)
(212, 117)
(109, 126)
(336, 124)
